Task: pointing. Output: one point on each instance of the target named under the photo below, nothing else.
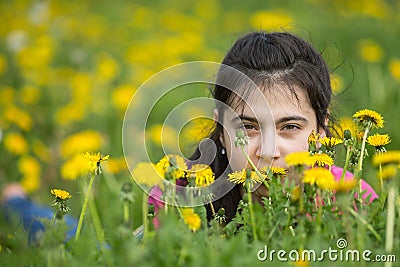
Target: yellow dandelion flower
(378, 140)
(330, 142)
(175, 161)
(203, 174)
(388, 172)
(322, 177)
(191, 219)
(239, 177)
(369, 117)
(74, 167)
(279, 171)
(272, 19)
(394, 68)
(370, 51)
(146, 173)
(386, 158)
(15, 143)
(60, 194)
(295, 193)
(121, 96)
(95, 159)
(18, 117)
(29, 166)
(320, 159)
(163, 134)
(313, 137)
(30, 183)
(116, 165)
(345, 185)
(80, 142)
(297, 158)
(336, 83)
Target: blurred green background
(69, 68)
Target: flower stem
(144, 215)
(126, 212)
(346, 164)
(361, 159)
(253, 222)
(85, 203)
(390, 219)
(253, 166)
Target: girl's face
(273, 132)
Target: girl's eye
(290, 127)
(249, 127)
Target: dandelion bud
(150, 209)
(221, 212)
(347, 135)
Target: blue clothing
(29, 213)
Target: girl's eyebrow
(245, 118)
(279, 121)
(291, 118)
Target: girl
(291, 98)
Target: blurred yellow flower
(322, 177)
(38, 55)
(295, 193)
(7, 95)
(388, 157)
(394, 68)
(18, 117)
(163, 134)
(88, 140)
(297, 158)
(197, 129)
(121, 96)
(116, 165)
(202, 174)
(272, 20)
(15, 143)
(191, 219)
(3, 64)
(81, 84)
(345, 185)
(146, 173)
(107, 68)
(313, 137)
(388, 172)
(71, 112)
(29, 95)
(74, 167)
(370, 51)
(60, 194)
(41, 150)
(29, 166)
(336, 83)
(30, 183)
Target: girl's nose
(268, 148)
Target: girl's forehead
(274, 98)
